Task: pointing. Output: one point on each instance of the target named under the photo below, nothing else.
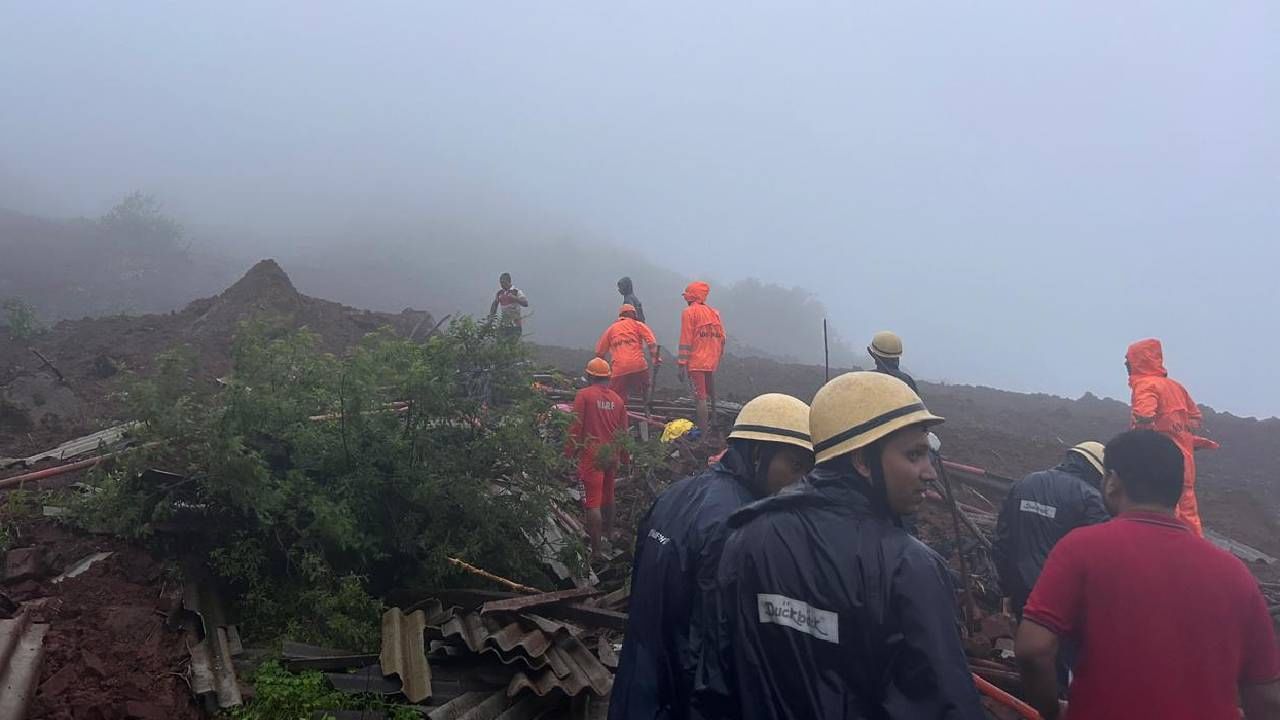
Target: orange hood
(1146, 357)
(697, 292)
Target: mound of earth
(78, 390)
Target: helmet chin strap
(874, 455)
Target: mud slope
(95, 356)
(1015, 433)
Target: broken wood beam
(586, 615)
(478, 572)
(61, 378)
(529, 602)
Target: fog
(1020, 190)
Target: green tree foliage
(136, 226)
(316, 483)
(282, 695)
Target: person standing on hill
(1160, 403)
(510, 299)
(625, 342)
(886, 350)
(1168, 625)
(629, 297)
(677, 550)
(599, 417)
(702, 339)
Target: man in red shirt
(599, 415)
(1167, 625)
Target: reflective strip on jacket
(828, 609)
(702, 338)
(1040, 510)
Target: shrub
(320, 483)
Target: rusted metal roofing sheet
(21, 654)
(72, 448)
(404, 652)
(1239, 549)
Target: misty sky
(1020, 189)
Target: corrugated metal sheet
(494, 706)
(301, 656)
(583, 672)
(212, 642)
(72, 448)
(555, 658)
(21, 654)
(1239, 549)
(404, 652)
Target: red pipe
(651, 421)
(973, 470)
(53, 471)
(964, 468)
(1005, 699)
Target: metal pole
(826, 353)
(970, 602)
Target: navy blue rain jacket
(1040, 510)
(673, 573)
(829, 609)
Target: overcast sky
(1019, 189)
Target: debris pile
(475, 654)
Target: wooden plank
(529, 602)
(587, 615)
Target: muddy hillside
(70, 381)
(1015, 433)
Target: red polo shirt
(1168, 625)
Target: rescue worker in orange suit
(702, 340)
(599, 416)
(625, 341)
(1162, 404)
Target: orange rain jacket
(1162, 404)
(701, 332)
(625, 340)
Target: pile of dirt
(94, 356)
(109, 653)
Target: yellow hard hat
(598, 367)
(858, 408)
(774, 417)
(886, 345)
(1094, 452)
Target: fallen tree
(313, 485)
